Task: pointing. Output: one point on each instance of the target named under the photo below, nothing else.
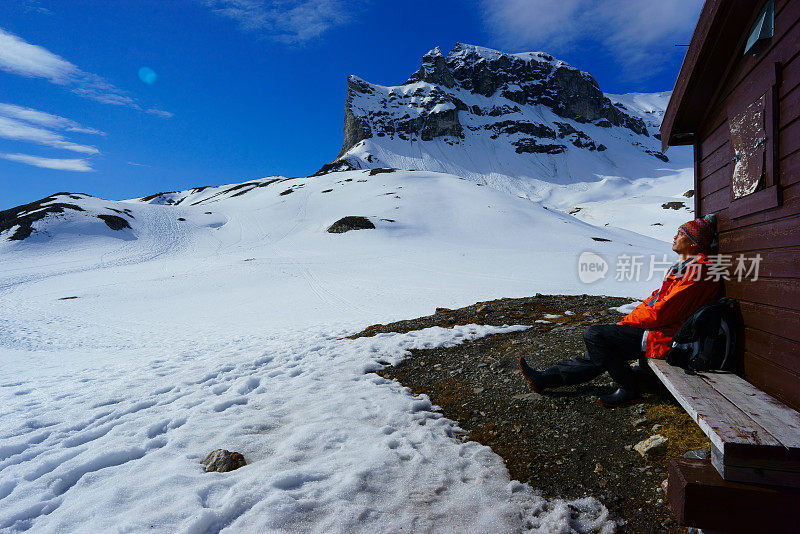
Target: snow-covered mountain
(529, 125)
(517, 122)
(526, 124)
(392, 200)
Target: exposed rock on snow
(115, 222)
(379, 170)
(351, 222)
(21, 218)
(223, 461)
(674, 205)
(18, 223)
(200, 195)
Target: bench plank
(726, 425)
(756, 472)
(770, 414)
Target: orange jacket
(681, 294)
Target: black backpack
(709, 339)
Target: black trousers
(609, 348)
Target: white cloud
(161, 113)
(32, 6)
(78, 164)
(289, 21)
(20, 57)
(19, 131)
(637, 33)
(41, 118)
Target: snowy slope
(649, 106)
(529, 125)
(225, 329)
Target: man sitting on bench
(647, 329)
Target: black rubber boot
(539, 380)
(621, 397)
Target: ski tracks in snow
(159, 235)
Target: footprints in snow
(101, 461)
(249, 385)
(109, 431)
(224, 405)
(164, 426)
(296, 480)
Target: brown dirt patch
(561, 442)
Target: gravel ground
(561, 442)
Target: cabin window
(762, 30)
(748, 137)
(752, 121)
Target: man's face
(682, 244)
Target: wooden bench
(754, 437)
(752, 483)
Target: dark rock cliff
(425, 112)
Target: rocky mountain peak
(434, 70)
(530, 103)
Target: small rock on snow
(223, 461)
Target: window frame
(767, 197)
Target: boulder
(223, 461)
(351, 222)
(115, 222)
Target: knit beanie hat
(701, 231)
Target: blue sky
(234, 90)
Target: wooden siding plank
(771, 319)
(789, 140)
(790, 169)
(716, 137)
(790, 206)
(780, 4)
(781, 292)
(771, 234)
(720, 159)
(790, 75)
(713, 181)
(778, 263)
(789, 108)
(778, 350)
(772, 379)
(716, 202)
(773, 263)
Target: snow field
(225, 331)
(330, 448)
